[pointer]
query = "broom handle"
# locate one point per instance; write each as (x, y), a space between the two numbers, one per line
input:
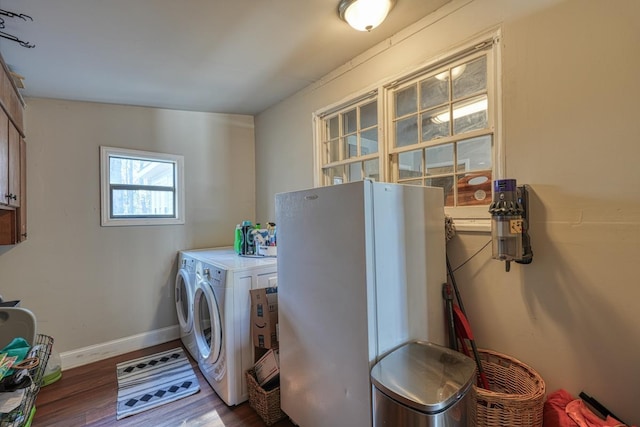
(598, 406)
(483, 378)
(448, 298)
(455, 287)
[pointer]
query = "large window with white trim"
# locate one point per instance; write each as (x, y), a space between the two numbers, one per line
(437, 126)
(141, 187)
(442, 132)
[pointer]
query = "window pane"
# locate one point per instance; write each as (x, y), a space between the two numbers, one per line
(410, 164)
(369, 142)
(355, 172)
(142, 203)
(333, 130)
(334, 175)
(372, 169)
(446, 183)
(349, 122)
(140, 172)
(440, 159)
(369, 115)
(351, 146)
(454, 72)
(470, 115)
(333, 153)
(406, 101)
(413, 182)
(435, 124)
(475, 153)
(434, 91)
(474, 189)
(472, 80)
(407, 131)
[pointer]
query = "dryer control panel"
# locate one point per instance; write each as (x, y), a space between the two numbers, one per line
(215, 275)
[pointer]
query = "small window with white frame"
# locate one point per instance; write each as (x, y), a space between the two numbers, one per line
(436, 126)
(141, 187)
(349, 148)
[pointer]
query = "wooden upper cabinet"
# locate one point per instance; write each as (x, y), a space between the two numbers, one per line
(11, 101)
(4, 157)
(9, 163)
(13, 217)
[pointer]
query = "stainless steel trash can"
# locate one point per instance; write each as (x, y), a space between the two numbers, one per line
(422, 384)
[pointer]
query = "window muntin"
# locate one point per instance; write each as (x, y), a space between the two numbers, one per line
(350, 149)
(141, 188)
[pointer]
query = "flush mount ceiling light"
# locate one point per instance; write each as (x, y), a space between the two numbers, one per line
(364, 15)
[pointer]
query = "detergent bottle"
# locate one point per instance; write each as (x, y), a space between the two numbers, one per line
(237, 241)
(247, 238)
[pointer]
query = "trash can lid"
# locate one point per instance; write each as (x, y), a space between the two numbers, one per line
(424, 376)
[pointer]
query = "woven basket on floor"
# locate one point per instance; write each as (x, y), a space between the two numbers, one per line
(516, 398)
(265, 403)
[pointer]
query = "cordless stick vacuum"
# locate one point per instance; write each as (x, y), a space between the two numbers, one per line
(509, 223)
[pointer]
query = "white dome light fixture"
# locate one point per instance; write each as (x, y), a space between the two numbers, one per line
(364, 15)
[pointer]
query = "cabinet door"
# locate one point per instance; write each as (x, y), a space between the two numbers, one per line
(4, 157)
(14, 167)
(12, 102)
(8, 228)
(267, 280)
(22, 211)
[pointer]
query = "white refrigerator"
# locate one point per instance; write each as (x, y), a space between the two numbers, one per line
(360, 272)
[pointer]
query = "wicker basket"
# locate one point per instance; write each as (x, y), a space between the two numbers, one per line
(265, 403)
(516, 398)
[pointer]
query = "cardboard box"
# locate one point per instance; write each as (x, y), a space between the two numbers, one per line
(267, 369)
(264, 317)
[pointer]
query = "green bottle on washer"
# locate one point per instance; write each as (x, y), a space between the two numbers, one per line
(237, 242)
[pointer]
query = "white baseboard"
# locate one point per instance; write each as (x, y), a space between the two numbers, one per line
(94, 353)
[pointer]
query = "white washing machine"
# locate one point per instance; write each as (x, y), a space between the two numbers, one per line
(222, 308)
(184, 293)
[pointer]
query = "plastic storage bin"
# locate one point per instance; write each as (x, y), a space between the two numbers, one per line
(16, 322)
(423, 385)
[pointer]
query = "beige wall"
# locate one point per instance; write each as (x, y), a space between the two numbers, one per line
(570, 94)
(89, 284)
(570, 86)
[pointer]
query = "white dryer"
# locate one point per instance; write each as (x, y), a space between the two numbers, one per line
(222, 308)
(184, 292)
(211, 327)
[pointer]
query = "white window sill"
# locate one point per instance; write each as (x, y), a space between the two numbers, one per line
(472, 225)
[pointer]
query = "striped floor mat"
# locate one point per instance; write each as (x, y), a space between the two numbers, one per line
(151, 381)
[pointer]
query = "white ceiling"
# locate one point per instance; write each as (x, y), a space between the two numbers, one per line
(231, 56)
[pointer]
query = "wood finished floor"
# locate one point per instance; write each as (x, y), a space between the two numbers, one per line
(86, 396)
